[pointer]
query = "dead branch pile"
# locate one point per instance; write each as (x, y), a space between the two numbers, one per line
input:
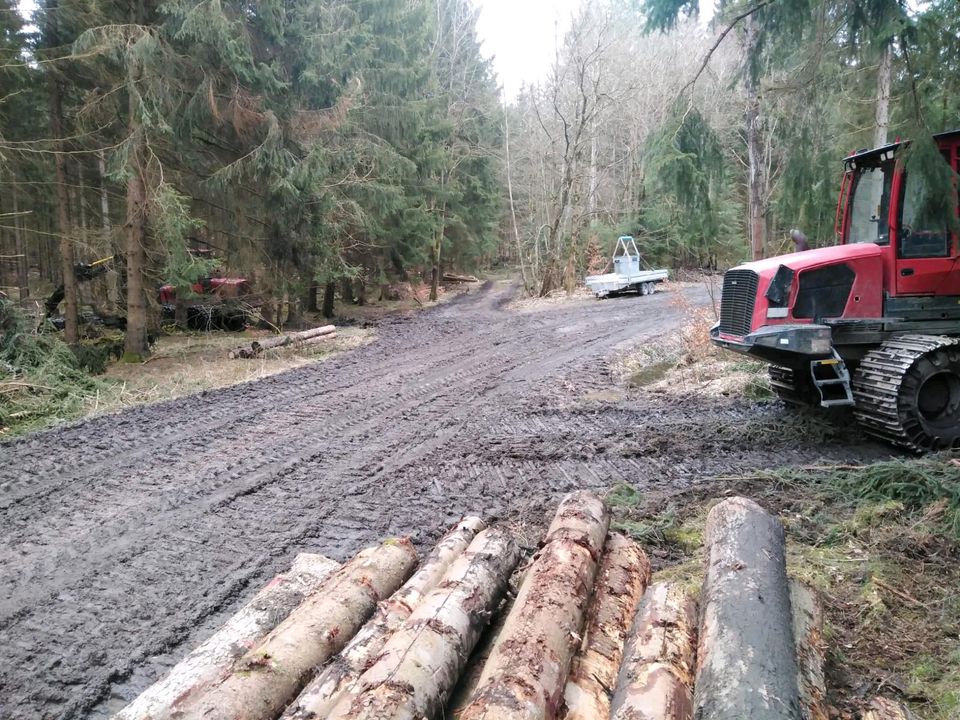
(583, 639)
(312, 336)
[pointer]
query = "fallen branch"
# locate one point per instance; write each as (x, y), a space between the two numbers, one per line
(656, 678)
(621, 579)
(527, 670)
(418, 668)
(215, 656)
(320, 696)
(268, 677)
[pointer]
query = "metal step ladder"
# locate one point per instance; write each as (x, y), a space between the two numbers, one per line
(832, 380)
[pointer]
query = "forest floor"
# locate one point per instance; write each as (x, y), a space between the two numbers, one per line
(130, 536)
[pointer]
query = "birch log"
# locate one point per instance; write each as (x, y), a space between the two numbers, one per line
(418, 668)
(527, 669)
(881, 708)
(215, 656)
(269, 676)
(656, 678)
(807, 614)
(319, 697)
(621, 579)
(746, 661)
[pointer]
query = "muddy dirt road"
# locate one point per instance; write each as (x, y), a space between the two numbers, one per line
(126, 539)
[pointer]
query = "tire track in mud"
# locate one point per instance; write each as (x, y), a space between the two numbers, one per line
(134, 536)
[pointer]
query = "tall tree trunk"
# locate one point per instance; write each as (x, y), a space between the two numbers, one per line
(884, 74)
(71, 332)
(136, 346)
(329, 296)
(755, 201)
(23, 261)
(112, 278)
(513, 209)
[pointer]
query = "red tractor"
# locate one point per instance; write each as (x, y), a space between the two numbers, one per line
(873, 322)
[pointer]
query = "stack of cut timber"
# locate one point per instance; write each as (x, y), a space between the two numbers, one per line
(299, 339)
(585, 637)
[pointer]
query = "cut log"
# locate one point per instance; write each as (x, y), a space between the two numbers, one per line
(268, 677)
(881, 708)
(319, 339)
(746, 661)
(621, 579)
(454, 277)
(656, 678)
(419, 666)
(215, 656)
(527, 669)
(807, 614)
(258, 346)
(319, 697)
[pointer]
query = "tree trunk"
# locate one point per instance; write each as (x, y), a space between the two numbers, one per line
(257, 346)
(346, 290)
(435, 269)
(747, 658)
(23, 260)
(621, 579)
(254, 620)
(755, 183)
(268, 677)
(884, 76)
(656, 678)
(527, 669)
(136, 346)
(329, 293)
(807, 613)
(312, 298)
(112, 277)
(321, 695)
(418, 668)
(71, 333)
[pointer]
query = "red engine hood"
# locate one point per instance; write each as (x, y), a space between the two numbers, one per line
(813, 258)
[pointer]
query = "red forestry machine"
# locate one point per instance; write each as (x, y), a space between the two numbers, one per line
(873, 322)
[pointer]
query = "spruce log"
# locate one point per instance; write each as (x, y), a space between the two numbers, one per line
(807, 614)
(216, 655)
(621, 579)
(418, 668)
(881, 708)
(318, 339)
(257, 346)
(319, 697)
(746, 661)
(656, 678)
(454, 277)
(268, 677)
(527, 669)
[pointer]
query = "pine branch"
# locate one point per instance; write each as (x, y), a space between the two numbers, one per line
(726, 31)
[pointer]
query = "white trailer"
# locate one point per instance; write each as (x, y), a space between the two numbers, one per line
(627, 274)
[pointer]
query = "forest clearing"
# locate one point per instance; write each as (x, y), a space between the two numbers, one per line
(555, 360)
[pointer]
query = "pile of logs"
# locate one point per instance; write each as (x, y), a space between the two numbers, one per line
(314, 336)
(586, 637)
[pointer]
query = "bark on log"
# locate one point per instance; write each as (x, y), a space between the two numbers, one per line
(621, 579)
(419, 666)
(746, 662)
(881, 708)
(319, 697)
(807, 614)
(258, 346)
(527, 670)
(319, 339)
(656, 678)
(269, 676)
(216, 655)
(454, 277)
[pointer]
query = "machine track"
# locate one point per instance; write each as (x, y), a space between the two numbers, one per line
(886, 387)
(792, 389)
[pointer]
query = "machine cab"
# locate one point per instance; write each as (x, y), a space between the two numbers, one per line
(880, 202)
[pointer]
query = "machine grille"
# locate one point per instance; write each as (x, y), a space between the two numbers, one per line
(736, 303)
